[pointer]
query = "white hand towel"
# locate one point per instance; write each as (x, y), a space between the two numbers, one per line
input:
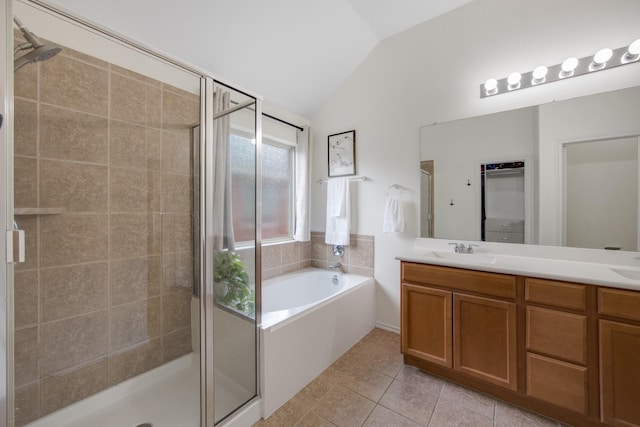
(338, 212)
(393, 215)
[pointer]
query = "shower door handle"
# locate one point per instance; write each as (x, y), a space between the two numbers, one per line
(15, 246)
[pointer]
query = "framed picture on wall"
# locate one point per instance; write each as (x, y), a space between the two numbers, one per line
(342, 153)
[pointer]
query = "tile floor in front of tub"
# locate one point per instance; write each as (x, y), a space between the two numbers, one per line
(370, 386)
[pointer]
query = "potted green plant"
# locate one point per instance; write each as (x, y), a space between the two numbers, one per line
(231, 283)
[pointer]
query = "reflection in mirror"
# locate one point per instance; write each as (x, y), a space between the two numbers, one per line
(552, 182)
(592, 169)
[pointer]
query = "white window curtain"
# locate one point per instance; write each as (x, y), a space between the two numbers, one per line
(302, 232)
(222, 209)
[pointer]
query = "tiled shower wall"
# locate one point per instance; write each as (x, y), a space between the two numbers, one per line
(104, 294)
(288, 257)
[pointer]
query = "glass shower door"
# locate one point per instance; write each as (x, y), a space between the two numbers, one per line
(231, 155)
(103, 187)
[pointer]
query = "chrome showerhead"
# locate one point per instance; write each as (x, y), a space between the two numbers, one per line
(40, 52)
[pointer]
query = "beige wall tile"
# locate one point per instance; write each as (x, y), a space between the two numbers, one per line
(76, 187)
(270, 273)
(177, 233)
(131, 191)
(26, 298)
(176, 151)
(25, 184)
(176, 344)
(178, 111)
(69, 135)
(135, 322)
(132, 74)
(368, 272)
(178, 271)
(135, 361)
(135, 235)
(176, 193)
(176, 311)
(26, 82)
(290, 253)
(195, 97)
(135, 279)
(318, 248)
(134, 101)
(27, 404)
(72, 239)
(134, 146)
(361, 253)
(71, 53)
(25, 127)
(305, 251)
(66, 82)
(73, 341)
(271, 256)
(26, 356)
(63, 390)
(74, 290)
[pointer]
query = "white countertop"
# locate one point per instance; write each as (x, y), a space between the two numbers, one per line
(617, 269)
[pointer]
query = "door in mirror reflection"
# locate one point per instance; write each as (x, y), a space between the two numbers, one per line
(601, 194)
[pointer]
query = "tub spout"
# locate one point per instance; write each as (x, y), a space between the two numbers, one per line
(335, 266)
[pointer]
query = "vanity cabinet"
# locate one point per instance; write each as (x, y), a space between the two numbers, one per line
(567, 350)
(461, 319)
(619, 325)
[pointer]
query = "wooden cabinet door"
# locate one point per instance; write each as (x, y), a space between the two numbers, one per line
(620, 373)
(426, 324)
(484, 339)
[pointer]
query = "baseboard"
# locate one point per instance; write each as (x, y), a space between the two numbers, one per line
(387, 327)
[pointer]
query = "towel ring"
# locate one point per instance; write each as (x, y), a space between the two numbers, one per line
(396, 188)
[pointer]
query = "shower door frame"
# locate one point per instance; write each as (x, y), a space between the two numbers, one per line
(208, 81)
(6, 213)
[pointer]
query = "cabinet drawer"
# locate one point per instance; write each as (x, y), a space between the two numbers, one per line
(504, 237)
(556, 382)
(557, 333)
(619, 303)
(508, 225)
(558, 294)
(500, 285)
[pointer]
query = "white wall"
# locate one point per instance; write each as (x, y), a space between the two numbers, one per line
(431, 73)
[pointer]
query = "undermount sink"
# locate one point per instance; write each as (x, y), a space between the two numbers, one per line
(475, 257)
(629, 274)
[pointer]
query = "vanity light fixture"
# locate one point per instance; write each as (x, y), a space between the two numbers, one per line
(568, 67)
(633, 53)
(571, 67)
(539, 75)
(600, 59)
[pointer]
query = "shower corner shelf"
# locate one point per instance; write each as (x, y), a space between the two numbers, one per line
(37, 211)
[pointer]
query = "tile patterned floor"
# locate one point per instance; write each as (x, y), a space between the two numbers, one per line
(369, 386)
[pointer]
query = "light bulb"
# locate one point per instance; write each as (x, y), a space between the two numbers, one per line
(491, 86)
(568, 66)
(539, 73)
(633, 53)
(514, 80)
(600, 59)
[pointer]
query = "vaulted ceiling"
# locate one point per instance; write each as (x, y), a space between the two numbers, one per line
(294, 53)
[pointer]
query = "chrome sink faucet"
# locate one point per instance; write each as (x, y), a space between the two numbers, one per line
(460, 248)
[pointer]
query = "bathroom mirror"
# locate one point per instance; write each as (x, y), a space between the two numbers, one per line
(454, 153)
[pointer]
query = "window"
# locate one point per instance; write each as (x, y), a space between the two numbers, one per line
(277, 188)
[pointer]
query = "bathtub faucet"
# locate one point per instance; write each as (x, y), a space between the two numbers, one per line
(335, 266)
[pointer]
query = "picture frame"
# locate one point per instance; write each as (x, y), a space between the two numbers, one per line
(342, 154)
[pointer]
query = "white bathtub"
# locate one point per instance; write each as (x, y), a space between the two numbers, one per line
(307, 323)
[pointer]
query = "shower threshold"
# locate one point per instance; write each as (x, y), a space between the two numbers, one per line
(167, 396)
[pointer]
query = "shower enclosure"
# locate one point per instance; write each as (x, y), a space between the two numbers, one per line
(127, 308)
